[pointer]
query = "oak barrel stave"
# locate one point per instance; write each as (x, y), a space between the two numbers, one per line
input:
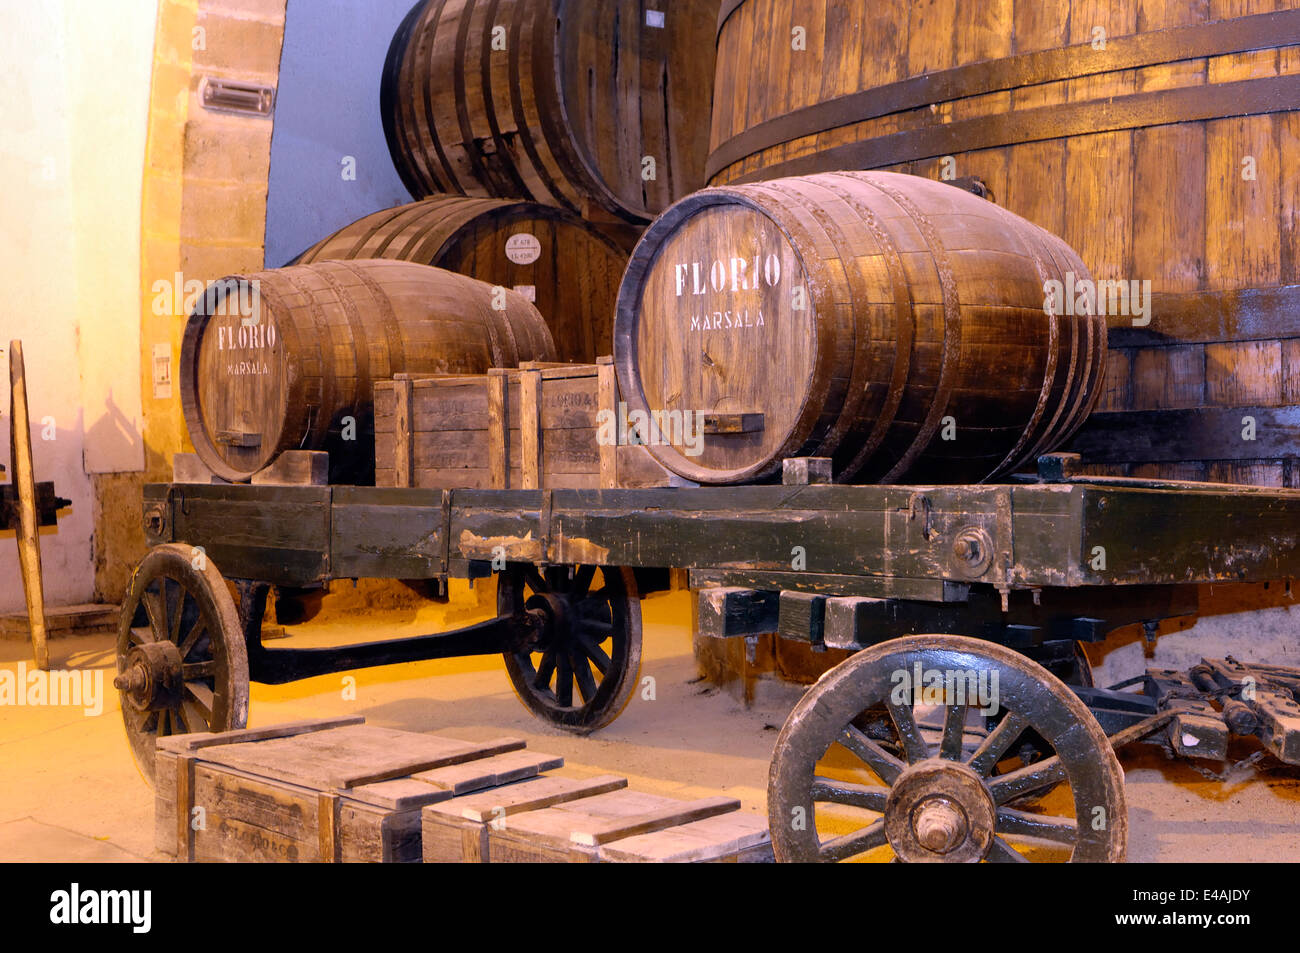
(558, 101)
(925, 312)
(1129, 146)
(277, 360)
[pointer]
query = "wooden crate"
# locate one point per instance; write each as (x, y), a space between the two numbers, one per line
(331, 790)
(597, 820)
(531, 427)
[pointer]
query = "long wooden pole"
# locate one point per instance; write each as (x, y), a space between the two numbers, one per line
(29, 540)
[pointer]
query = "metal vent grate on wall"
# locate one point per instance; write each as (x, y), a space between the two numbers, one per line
(232, 96)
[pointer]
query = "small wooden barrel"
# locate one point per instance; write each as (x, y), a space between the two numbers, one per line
(566, 102)
(896, 325)
(568, 269)
(280, 360)
(1157, 137)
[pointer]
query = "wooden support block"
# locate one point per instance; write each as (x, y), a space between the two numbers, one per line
(296, 468)
(804, 471)
(726, 612)
(456, 831)
(846, 616)
(801, 616)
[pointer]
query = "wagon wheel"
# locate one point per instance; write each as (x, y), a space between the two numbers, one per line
(931, 793)
(581, 669)
(181, 661)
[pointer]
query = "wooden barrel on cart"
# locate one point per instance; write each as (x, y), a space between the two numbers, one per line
(286, 359)
(563, 265)
(1159, 139)
(897, 325)
(565, 102)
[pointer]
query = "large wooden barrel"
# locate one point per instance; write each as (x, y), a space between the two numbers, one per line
(276, 360)
(565, 102)
(896, 325)
(1159, 138)
(568, 269)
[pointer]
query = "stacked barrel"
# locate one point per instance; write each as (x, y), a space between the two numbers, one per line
(1159, 139)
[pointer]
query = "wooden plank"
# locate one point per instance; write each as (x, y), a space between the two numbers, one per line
(733, 837)
(403, 429)
(498, 431)
(197, 740)
(456, 830)
(607, 401)
(28, 535)
(489, 772)
(596, 834)
(530, 428)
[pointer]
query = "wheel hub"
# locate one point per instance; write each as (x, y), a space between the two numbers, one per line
(940, 811)
(151, 679)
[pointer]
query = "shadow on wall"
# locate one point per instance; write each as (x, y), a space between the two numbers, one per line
(329, 159)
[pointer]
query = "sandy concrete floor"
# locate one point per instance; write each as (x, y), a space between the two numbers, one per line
(69, 789)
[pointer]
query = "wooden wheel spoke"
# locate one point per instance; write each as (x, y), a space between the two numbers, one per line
(914, 744)
(954, 726)
(545, 670)
(174, 632)
(190, 671)
(150, 722)
(582, 580)
(849, 794)
(203, 697)
(1060, 830)
(563, 680)
(596, 627)
(195, 718)
(997, 743)
(139, 635)
(884, 764)
(196, 633)
(595, 653)
(582, 674)
(842, 848)
(1000, 852)
(155, 609)
(535, 580)
(1034, 777)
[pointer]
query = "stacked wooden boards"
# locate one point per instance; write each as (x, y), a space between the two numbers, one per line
(594, 107)
(566, 267)
(1156, 138)
(338, 790)
(544, 425)
(287, 359)
(899, 326)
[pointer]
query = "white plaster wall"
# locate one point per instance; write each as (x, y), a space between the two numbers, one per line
(74, 96)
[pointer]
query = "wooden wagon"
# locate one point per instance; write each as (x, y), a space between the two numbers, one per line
(973, 582)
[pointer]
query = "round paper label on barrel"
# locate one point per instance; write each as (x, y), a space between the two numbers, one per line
(523, 248)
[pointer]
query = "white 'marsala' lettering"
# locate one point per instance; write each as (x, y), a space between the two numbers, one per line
(734, 274)
(73, 906)
(720, 320)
